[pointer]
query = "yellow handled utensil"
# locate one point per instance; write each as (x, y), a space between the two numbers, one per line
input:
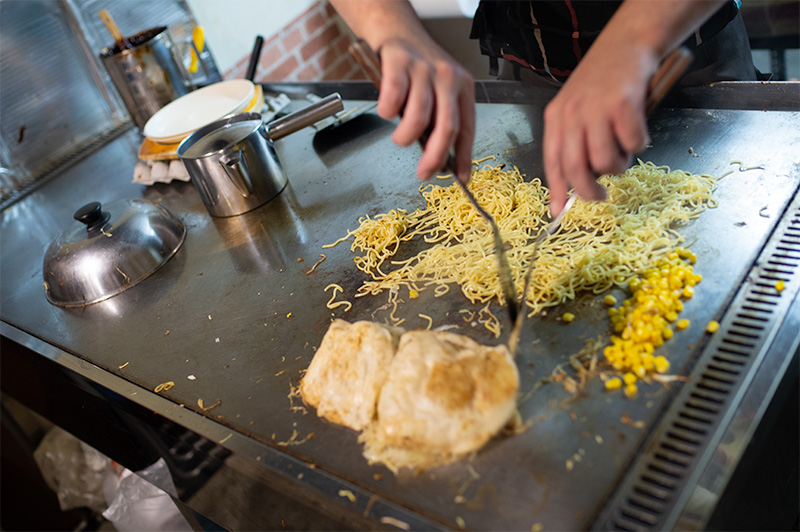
(113, 29)
(198, 38)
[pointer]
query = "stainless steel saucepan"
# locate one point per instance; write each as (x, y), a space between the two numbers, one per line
(232, 162)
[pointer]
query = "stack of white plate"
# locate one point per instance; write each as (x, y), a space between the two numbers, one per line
(178, 119)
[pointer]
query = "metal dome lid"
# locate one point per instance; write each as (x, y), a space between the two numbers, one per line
(109, 249)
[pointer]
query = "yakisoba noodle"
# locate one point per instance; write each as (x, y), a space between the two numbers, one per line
(337, 304)
(599, 245)
(378, 238)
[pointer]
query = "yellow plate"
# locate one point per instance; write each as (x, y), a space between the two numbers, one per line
(257, 103)
(153, 151)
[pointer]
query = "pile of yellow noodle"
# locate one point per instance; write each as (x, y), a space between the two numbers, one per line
(599, 245)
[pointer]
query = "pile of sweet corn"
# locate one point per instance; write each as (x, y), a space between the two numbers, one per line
(644, 321)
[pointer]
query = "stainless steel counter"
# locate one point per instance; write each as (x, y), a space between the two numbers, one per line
(234, 318)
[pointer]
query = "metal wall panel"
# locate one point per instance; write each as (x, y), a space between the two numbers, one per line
(50, 102)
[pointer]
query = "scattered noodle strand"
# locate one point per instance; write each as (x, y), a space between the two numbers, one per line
(331, 304)
(489, 321)
(314, 267)
(430, 320)
(334, 244)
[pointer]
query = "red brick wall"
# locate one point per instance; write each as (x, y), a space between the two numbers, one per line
(312, 47)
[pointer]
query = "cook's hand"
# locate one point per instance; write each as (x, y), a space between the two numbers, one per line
(425, 85)
(596, 122)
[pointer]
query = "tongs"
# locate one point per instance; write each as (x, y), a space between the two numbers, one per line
(370, 62)
(662, 81)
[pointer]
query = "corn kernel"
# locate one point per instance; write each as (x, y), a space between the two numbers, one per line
(413, 294)
(568, 317)
(613, 383)
(712, 327)
(641, 323)
(610, 300)
(780, 286)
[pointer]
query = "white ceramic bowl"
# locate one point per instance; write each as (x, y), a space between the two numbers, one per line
(180, 117)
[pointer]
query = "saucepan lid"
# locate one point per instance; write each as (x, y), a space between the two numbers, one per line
(108, 249)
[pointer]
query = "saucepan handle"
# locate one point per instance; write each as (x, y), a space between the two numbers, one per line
(307, 116)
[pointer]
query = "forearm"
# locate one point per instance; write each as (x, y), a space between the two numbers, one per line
(597, 120)
(419, 80)
(378, 21)
(654, 27)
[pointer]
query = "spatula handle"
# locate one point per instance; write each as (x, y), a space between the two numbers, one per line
(670, 70)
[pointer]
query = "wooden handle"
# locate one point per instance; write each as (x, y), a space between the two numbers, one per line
(368, 59)
(671, 69)
(112, 28)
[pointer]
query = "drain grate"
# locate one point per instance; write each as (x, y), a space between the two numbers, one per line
(648, 495)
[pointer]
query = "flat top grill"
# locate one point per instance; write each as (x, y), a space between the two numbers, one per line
(235, 309)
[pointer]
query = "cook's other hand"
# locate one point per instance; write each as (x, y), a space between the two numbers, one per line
(596, 123)
(419, 80)
(597, 120)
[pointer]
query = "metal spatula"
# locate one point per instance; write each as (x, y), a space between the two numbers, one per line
(513, 339)
(370, 62)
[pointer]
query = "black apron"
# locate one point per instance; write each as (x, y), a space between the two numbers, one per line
(550, 37)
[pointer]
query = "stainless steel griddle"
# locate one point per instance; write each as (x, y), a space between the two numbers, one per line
(236, 310)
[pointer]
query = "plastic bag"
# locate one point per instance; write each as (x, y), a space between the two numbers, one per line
(83, 477)
(136, 504)
(72, 469)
